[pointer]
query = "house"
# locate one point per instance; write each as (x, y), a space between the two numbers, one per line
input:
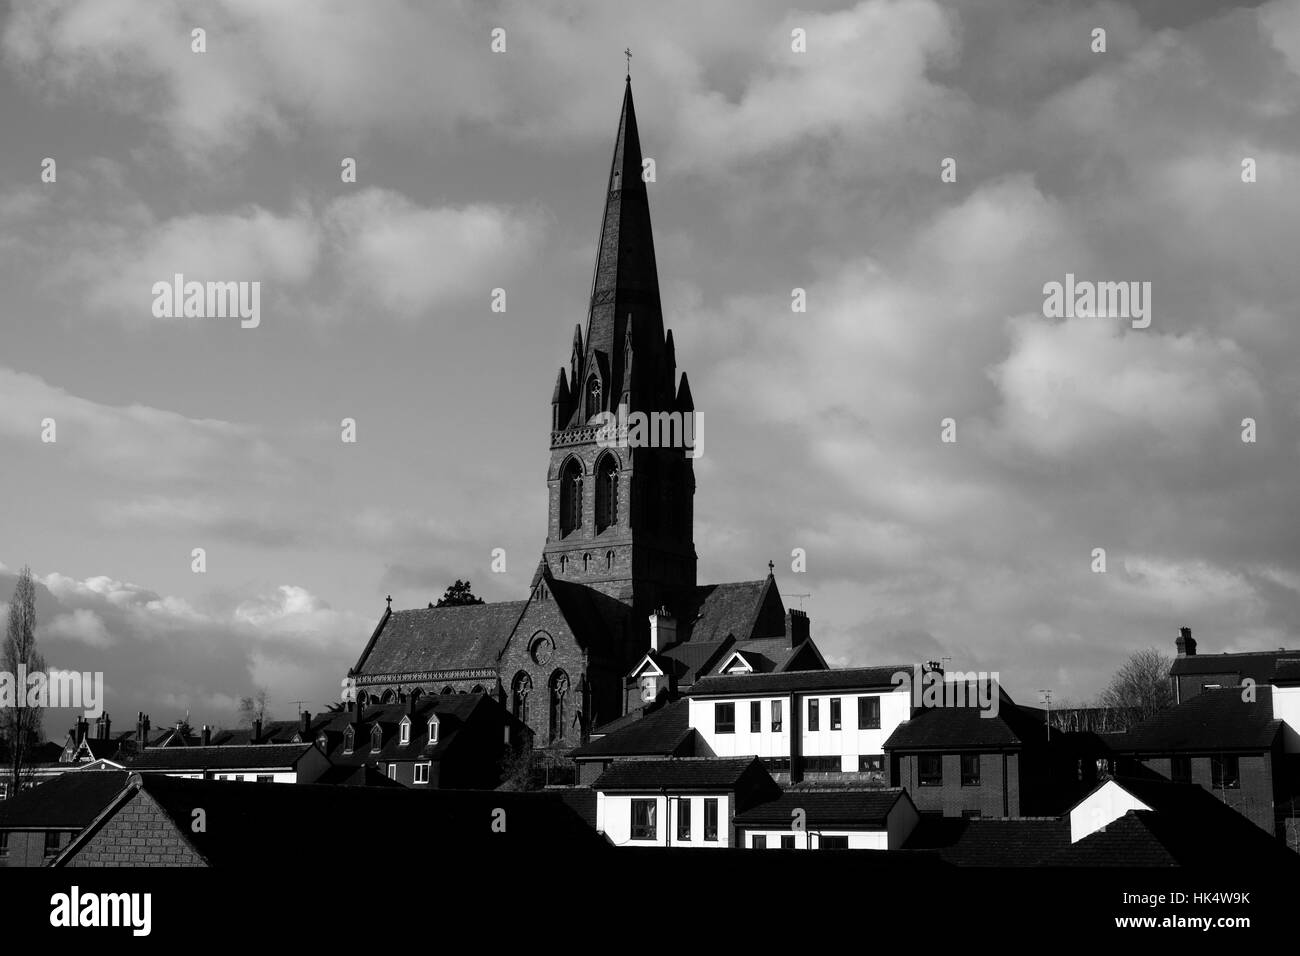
(1192, 673)
(1228, 741)
(810, 725)
(1145, 822)
(991, 841)
(824, 819)
(260, 763)
(451, 741)
(82, 747)
(683, 802)
(663, 731)
(38, 823)
(162, 821)
(972, 762)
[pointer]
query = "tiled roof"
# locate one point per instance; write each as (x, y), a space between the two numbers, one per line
(1260, 666)
(956, 728)
(731, 609)
(1212, 720)
(66, 802)
(688, 661)
(454, 712)
(441, 638)
(662, 732)
(823, 808)
(845, 678)
(684, 773)
(992, 842)
(252, 757)
(295, 822)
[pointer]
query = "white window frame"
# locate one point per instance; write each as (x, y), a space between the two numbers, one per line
(404, 731)
(422, 772)
(392, 771)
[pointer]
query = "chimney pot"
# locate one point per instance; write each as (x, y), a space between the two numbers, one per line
(1186, 644)
(206, 738)
(257, 731)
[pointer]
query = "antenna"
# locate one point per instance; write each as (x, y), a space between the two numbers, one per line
(1047, 699)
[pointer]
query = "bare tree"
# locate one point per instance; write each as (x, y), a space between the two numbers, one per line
(20, 725)
(254, 708)
(1141, 685)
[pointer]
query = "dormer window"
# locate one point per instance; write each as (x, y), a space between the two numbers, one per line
(376, 738)
(349, 739)
(404, 730)
(433, 730)
(323, 743)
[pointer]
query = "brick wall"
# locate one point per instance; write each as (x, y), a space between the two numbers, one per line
(27, 848)
(996, 795)
(138, 834)
(1253, 799)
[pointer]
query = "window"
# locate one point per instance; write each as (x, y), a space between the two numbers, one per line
(776, 764)
(323, 742)
(724, 718)
(755, 717)
(593, 397)
(392, 771)
(683, 818)
(814, 714)
(871, 763)
(266, 778)
(405, 730)
(51, 842)
(643, 820)
(759, 841)
(787, 841)
(349, 738)
(606, 493)
(571, 497)
(520, 688)
(776, 716)
(835, 713)
(930, 770)
(833, 842)
(868, 713)
(559, 693)
(970, 770)
(376, 738)
(711, 818)
(830, 764)
(1224, 773)
(1180, 769)
(433, 730)
(422, 772)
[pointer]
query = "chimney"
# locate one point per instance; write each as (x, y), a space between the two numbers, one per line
(355, 707)
(206, 737)
(142, 729)
(103, 726)
(796, 627)
(663, 629)
(257, 731)
(1186, 644)
(306, 722)
(83, 729)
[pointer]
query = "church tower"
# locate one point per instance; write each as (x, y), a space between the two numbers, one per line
(621, 512)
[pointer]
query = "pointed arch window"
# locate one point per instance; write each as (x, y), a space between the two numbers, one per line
(520, 688)
(559, 692)
(571, 497)
(376, 738)
(349, 739)
(606, 493)
(593, 398)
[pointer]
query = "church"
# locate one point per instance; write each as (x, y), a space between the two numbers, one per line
(615, 619)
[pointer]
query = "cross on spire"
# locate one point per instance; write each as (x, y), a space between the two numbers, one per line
(627, 52)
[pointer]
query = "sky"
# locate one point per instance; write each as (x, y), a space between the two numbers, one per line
(776, 169)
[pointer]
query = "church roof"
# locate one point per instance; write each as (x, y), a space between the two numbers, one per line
(743, 610)
(440, 638)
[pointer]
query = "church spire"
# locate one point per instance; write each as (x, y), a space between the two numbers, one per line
(625, 281)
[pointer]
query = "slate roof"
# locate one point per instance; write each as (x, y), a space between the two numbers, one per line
(440, 638)
(847, 679)
(683, 773)
(965, 728)
(823, 808)
(66, 802)
(1212, 720)
(991, 842)
(1263, 667)
(1143, 838)
(252, 757)
(733, 609)
(664, 732)
(688, 661)
(292, 823)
